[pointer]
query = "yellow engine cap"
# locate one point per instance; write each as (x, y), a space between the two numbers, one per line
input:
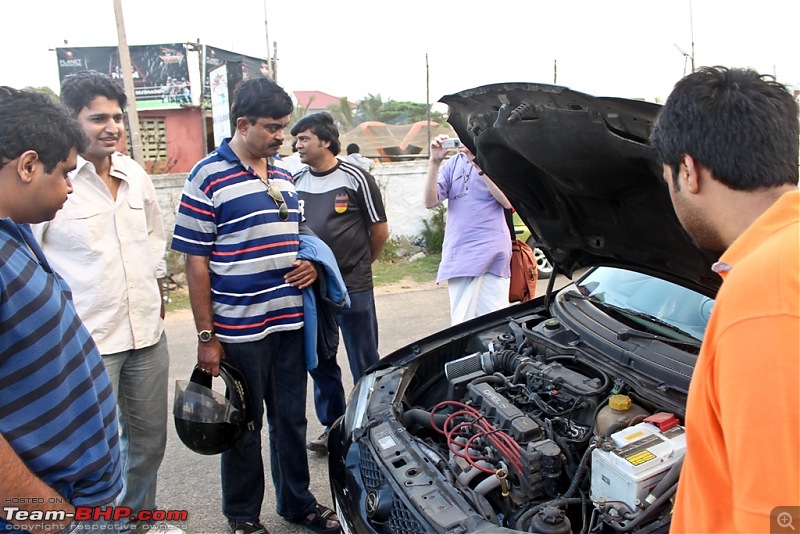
(620, 402)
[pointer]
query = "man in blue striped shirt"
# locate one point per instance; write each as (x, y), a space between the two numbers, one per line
(59, 446)
(238, 223)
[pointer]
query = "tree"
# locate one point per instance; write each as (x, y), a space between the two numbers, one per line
(45, 90)
(342, 114)
(394, 112)
(369, 108)
(373, 108)
(298, 112)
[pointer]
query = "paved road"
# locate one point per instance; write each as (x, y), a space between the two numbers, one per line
(190, 481)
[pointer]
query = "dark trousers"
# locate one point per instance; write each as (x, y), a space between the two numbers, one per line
(359, 326)
(275, 371)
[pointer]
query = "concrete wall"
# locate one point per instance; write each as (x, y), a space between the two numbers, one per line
(400, 183)
(169, 188)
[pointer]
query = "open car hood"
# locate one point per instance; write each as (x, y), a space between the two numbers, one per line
(581, 174)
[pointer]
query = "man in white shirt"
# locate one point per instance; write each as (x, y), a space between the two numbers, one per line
(293, 162)
(354, 157)
(108, 243)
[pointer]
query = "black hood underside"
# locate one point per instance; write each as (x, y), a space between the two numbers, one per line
(581, 174)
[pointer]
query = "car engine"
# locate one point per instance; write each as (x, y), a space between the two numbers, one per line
(542, 440)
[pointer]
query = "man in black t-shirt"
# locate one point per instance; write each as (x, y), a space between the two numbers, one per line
(343, 206)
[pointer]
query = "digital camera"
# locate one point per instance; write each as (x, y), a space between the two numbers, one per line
(451, 143)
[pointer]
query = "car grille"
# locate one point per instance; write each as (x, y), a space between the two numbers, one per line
(401, 520)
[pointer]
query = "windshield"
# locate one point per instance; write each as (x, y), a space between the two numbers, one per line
(660, 306)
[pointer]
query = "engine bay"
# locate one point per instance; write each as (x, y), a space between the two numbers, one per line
(538, 434)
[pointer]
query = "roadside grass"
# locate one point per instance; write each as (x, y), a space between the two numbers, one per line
(178, 300)
(384, 272)
(390, 272)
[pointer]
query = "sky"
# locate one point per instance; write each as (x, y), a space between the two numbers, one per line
(420, 50)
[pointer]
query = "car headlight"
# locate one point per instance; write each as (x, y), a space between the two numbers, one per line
(356, 411)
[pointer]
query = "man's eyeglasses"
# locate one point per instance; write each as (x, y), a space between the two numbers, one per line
(277, 196)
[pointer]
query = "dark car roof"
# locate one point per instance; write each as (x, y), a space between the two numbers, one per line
(581, 174)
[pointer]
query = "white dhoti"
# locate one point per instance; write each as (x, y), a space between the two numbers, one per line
(471, 296)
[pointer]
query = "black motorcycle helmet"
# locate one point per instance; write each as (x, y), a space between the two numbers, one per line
(208, 422)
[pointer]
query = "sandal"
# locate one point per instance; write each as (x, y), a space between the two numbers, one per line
(247, 527)
(318, 520)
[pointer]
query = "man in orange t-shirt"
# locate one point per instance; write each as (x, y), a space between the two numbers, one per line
(728, 141)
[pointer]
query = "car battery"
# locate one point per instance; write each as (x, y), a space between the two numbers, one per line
(641, 457)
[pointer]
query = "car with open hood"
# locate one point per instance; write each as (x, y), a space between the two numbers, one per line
(565, 413)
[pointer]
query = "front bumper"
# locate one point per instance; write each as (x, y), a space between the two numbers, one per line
(364, 499)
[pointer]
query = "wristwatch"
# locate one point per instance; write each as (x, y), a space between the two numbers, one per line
(205, 335)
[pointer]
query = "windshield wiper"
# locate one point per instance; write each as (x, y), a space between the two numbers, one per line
(624, 334)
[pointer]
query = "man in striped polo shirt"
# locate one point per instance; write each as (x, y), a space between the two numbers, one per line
(59, 446)
(238, 223)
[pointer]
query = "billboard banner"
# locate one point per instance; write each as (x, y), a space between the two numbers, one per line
(160, 72)
(220, 103)
(251, 67)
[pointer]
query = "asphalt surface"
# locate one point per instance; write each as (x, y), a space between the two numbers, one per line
(190, 481)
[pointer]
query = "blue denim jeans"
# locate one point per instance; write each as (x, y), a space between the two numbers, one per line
(139, 378)
(275, 371)
(359, 325)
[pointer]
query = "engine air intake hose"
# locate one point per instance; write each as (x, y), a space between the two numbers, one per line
(488, 362)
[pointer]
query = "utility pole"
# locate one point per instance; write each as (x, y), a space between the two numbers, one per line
(127, 78)
(270, 70)
(274, 61)
(428, 99)
(691, 29)
(687, 57)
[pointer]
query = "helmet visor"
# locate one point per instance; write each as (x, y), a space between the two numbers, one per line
(194, 402)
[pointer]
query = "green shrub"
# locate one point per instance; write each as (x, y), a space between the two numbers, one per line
(389, 252)
(433, 234)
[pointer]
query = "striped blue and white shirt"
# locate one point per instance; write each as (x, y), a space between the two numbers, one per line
(226, 214)
(57, 406)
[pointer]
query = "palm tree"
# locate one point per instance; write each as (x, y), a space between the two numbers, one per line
(298, 112)
(342, 115)
(369, 109)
